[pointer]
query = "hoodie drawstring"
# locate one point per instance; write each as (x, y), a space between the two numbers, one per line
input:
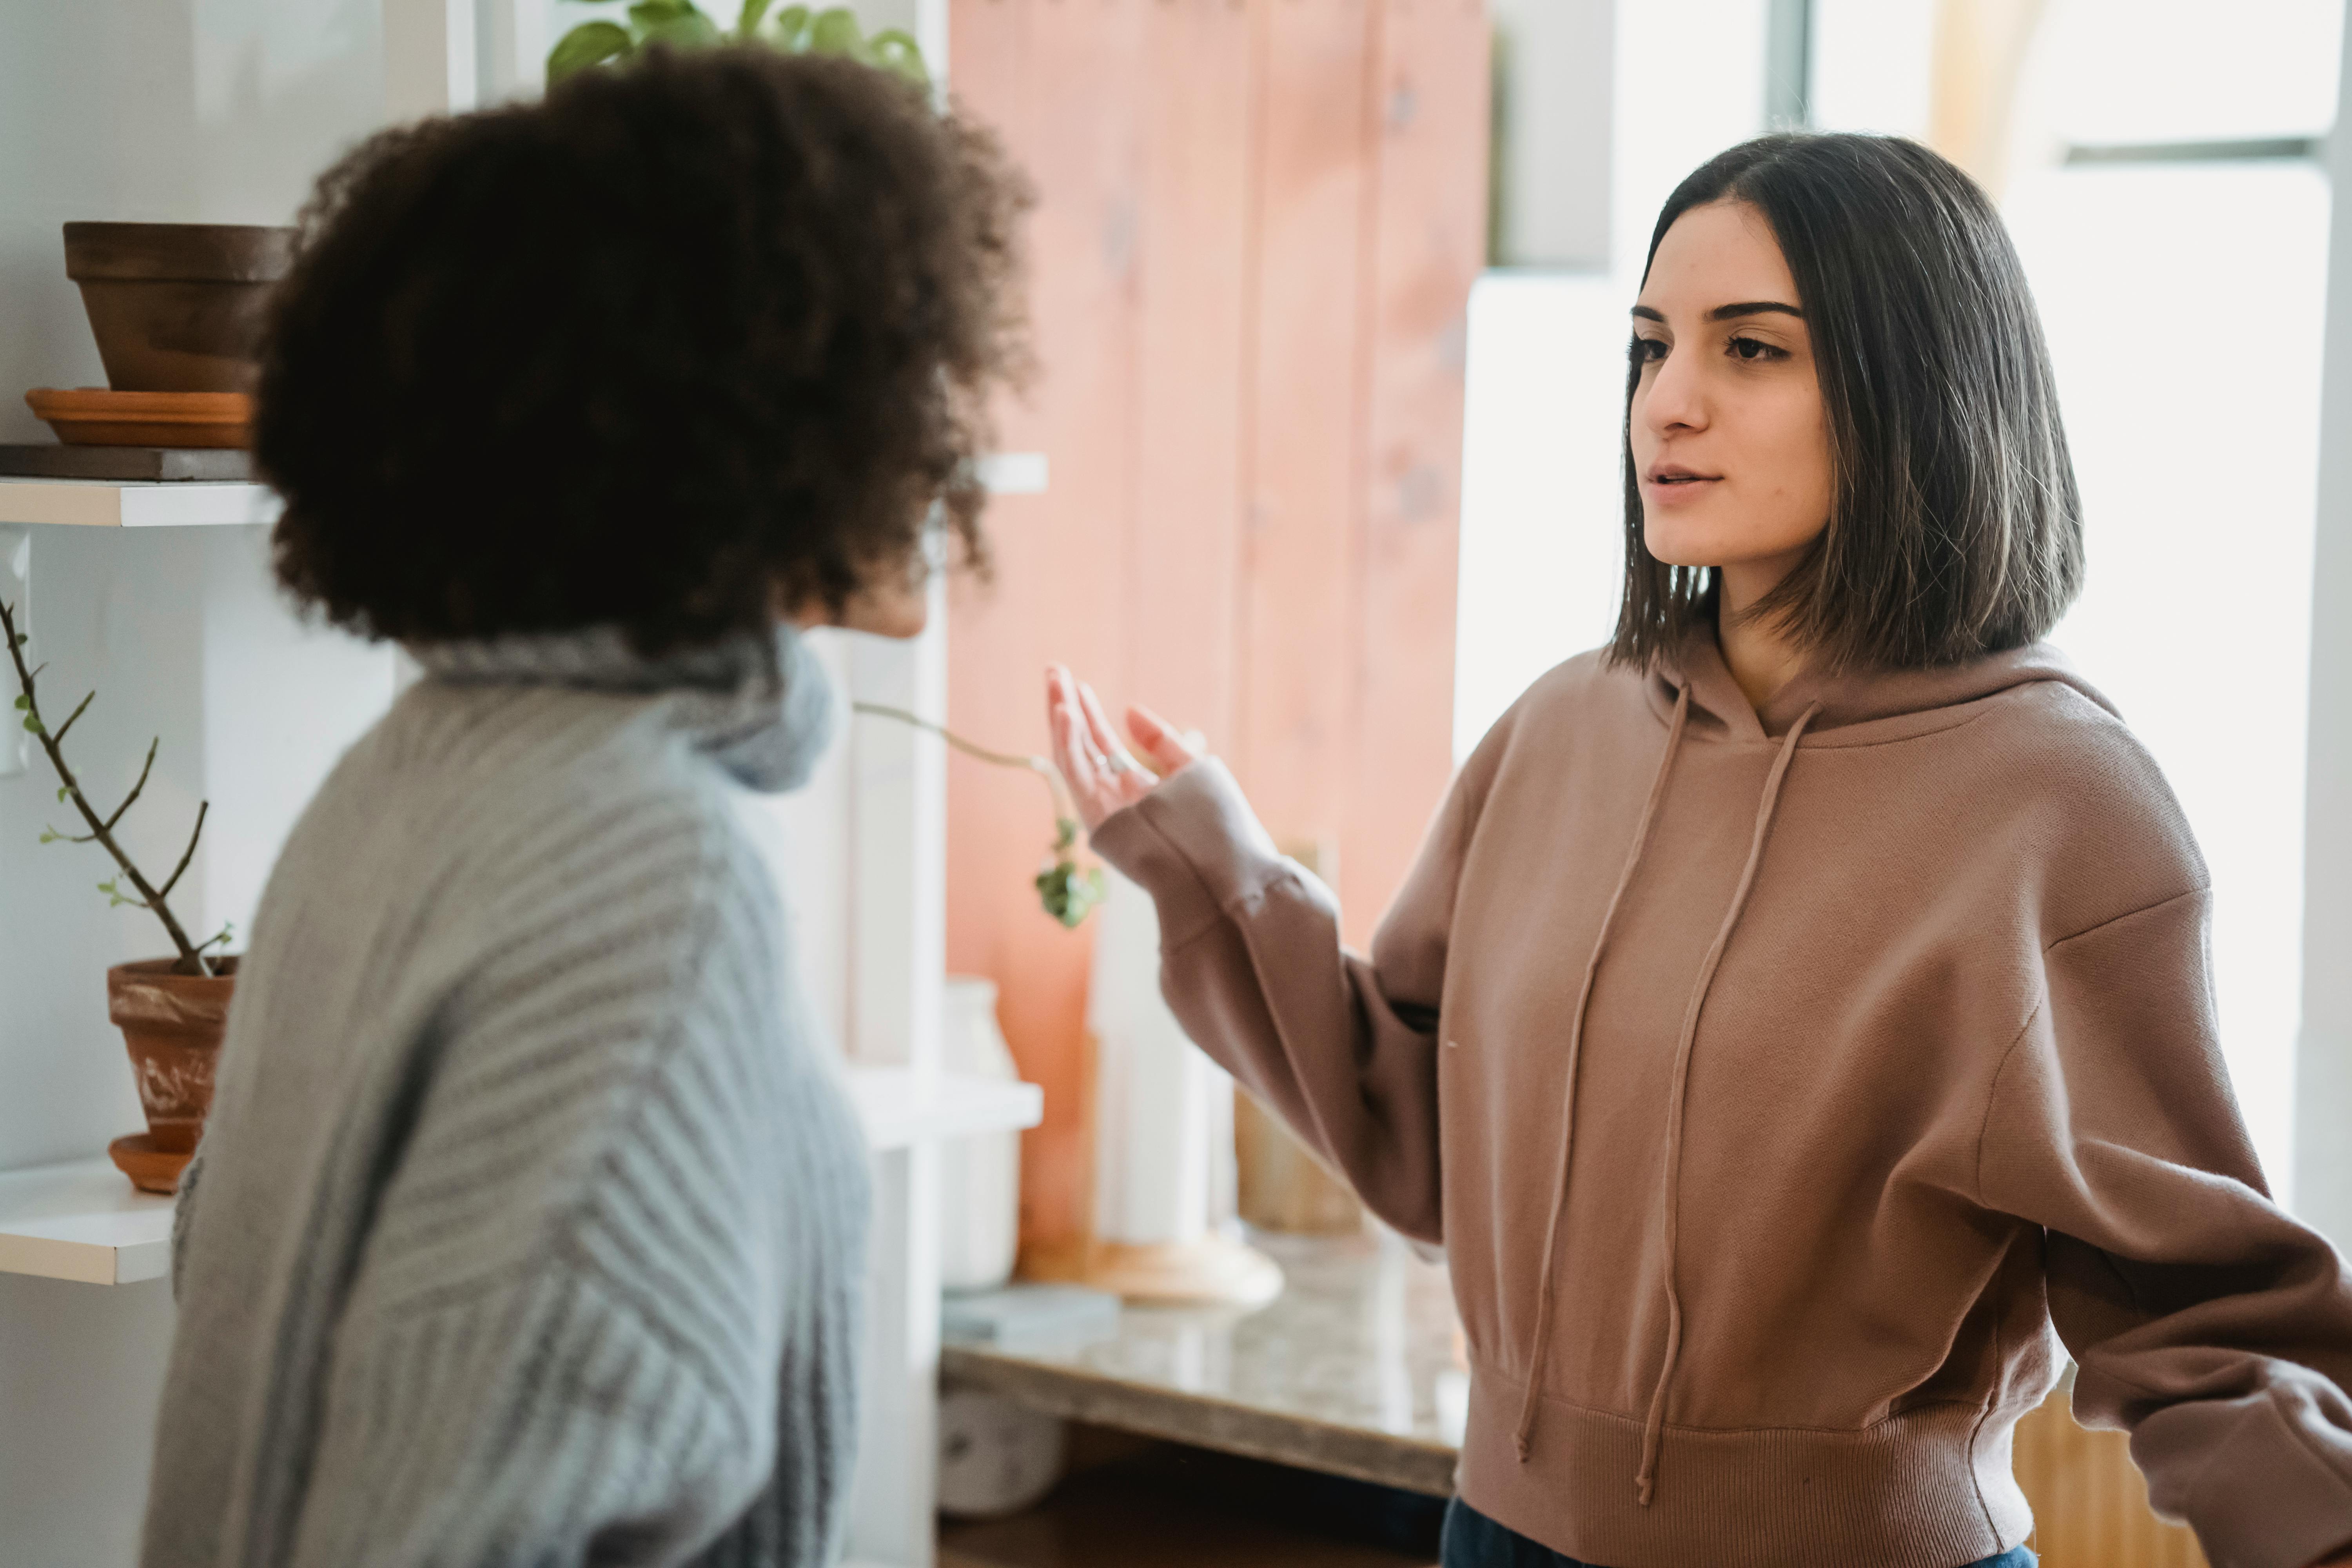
(1539, 1355)
(1653, 1429)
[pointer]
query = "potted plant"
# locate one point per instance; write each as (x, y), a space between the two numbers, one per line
(171, 1011)
(682, 25)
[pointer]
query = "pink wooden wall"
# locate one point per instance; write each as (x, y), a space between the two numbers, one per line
(1257, 227)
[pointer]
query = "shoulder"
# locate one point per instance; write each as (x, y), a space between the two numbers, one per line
(1584, 712)
(1569, 696)
(2090, 801)
(543, 846)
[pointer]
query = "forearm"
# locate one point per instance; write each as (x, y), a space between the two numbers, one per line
(1253, 966)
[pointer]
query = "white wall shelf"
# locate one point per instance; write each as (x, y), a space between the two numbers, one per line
(193, 503)
(83, 1221)
(106, 503)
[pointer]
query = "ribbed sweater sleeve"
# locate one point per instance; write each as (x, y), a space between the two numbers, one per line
(600, 1316)
(2203, 1319)
(1342, 1046)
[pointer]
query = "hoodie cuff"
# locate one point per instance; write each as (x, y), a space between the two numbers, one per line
(1194, 844)
(2261, 1479)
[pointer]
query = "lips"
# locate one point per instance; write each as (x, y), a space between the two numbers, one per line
(1676, 474)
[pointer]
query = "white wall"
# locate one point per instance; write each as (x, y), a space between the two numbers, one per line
(2323, 1067)
(179, 111)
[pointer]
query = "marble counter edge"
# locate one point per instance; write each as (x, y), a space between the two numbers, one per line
(1205, 1421)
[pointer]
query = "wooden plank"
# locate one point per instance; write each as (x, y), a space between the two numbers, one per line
(1292, 745)
(1425, 238)
(1256, 227)
(1059, 82)
(1193, 243)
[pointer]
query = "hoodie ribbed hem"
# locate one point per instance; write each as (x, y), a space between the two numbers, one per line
(1902, 1494)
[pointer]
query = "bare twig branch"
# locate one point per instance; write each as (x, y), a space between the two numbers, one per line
(71, 717)
(191, 957)
(145, 768)
(165, 891)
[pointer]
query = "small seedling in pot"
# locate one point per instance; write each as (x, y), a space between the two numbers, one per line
(128, 886)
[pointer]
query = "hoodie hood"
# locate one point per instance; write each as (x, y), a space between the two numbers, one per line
(1892, 703)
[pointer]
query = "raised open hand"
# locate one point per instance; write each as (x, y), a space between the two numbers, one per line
(1102, 774)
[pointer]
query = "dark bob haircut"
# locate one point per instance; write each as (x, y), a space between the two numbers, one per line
(1955, 529)
(682, 343)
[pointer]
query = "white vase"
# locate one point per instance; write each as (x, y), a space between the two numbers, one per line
(1164, 1132)
(980, 1176)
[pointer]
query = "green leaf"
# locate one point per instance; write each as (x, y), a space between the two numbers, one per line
(680, 23)
(789, 32)
(695, 32)
(896, 52)
(834, 32)
(589, 44)
(747, 26)
(1069, 893)
(24, 703)
(50, 835)
(33, 724)
(62, 791)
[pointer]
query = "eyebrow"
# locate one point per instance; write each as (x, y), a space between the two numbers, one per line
(1731, 312)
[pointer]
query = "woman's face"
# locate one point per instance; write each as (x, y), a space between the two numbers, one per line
(1727, 436)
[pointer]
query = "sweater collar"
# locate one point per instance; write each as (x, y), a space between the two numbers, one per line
(761, 708)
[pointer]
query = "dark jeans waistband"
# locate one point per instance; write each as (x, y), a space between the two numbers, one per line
(1473, 1540)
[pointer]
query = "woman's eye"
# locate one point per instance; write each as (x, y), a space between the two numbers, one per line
(1646, 350)
(1756, 348)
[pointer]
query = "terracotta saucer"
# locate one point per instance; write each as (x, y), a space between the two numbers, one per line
(95, 416)
(151, 1170)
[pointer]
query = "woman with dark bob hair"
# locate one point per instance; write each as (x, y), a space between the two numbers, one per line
(1797, 1027)
(528, 1225)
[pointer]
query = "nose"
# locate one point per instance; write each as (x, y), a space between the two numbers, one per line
(1676, 399)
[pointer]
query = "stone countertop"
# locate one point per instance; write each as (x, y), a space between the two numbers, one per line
(1355, 1369)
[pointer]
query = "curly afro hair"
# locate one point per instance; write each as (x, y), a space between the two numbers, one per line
(681, 344)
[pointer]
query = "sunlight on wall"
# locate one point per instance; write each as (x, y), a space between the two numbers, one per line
(2183, 305)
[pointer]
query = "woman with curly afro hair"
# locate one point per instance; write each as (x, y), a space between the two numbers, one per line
(527, 1223)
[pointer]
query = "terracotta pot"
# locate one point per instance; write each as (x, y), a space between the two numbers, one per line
(173, 1024)
(177, 307)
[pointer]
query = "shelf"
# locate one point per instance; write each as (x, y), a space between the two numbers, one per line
(896, 1110)
(82, 1220)
(189, 503)
(105, 503)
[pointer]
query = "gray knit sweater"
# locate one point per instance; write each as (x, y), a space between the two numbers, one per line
(529, 1224)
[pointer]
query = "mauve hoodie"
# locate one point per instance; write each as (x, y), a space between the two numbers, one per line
(1775, 1084)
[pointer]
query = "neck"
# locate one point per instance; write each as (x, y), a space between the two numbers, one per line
(1761, 655)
